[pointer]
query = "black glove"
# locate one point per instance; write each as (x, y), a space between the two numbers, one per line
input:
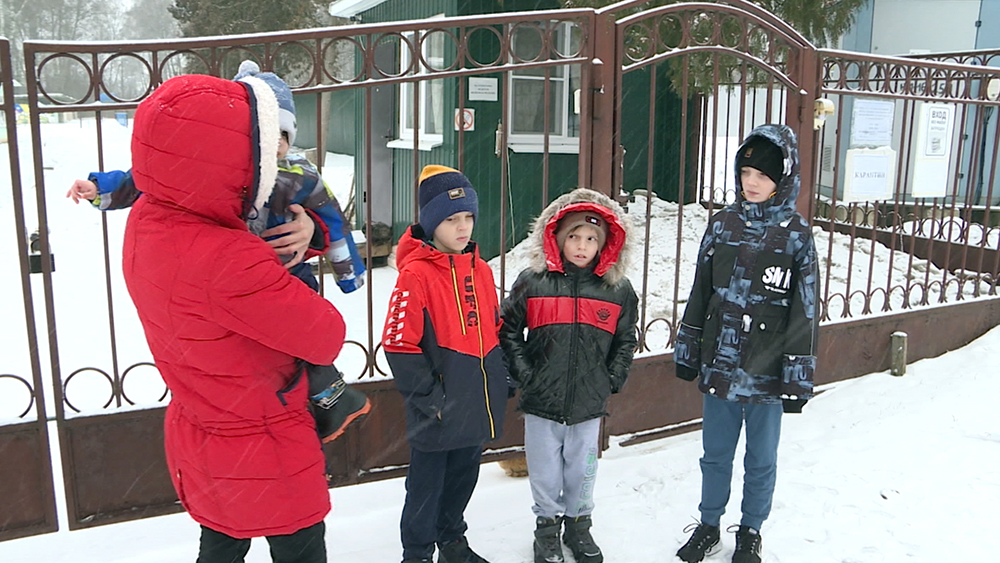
(793, 406)
(511, 391)
(686, 373)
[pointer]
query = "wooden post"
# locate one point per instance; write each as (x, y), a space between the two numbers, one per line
(898, 360)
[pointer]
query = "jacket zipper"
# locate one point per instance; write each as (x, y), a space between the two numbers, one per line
(482, 354)
(572, 350)
(458, 298)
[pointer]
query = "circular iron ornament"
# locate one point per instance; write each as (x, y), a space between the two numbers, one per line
(544, 45)
(130, 56)
(860, 295)
(387, 39)
(885, 304)
(911, 291)
(177, 57)
(638, 44)
(644, 342)
(733, 39)
(303, 76)
(69, 378)
(40, 70)
(670, 33)
(822, 310)
(364, 351)
(831, 304)
(571, 27)
(166, 390)
(992, 86)
(27, 384)
(702, 28)
(502, 44)
(759, 43)
(359, 55)
(424, 37)
(386, 372)
(233, 56)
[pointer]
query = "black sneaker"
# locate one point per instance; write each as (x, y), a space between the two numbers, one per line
(336, 408)
(578, 539)
(704, 541)
(547, 546)
(416, 561)
(747, 545)
(458, 551)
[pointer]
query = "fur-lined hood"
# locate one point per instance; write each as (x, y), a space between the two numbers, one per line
(614, 259)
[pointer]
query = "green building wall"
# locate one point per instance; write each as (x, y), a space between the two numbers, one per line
(524, 186)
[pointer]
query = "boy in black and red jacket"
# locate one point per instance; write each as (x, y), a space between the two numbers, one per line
(580, 311)
(442, 345)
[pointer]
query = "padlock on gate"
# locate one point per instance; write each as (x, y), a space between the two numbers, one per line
(35, 255)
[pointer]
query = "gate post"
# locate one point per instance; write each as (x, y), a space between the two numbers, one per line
(799, 112)
(598, 169)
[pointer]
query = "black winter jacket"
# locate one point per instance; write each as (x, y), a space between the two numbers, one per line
(580, 323)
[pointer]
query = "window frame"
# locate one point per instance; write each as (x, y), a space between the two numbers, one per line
(404, 133)
(560, 141)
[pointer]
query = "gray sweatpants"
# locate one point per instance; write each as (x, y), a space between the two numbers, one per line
(562, 465)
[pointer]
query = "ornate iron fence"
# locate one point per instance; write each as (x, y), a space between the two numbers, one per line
(641, 101)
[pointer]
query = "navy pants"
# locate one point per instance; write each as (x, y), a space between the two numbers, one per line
(720, 431)
(305, 546)
(438, 488)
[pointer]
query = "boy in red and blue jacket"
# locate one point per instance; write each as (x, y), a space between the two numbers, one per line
(441, 341)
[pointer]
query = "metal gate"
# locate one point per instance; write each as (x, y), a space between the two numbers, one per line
(26, 467)
(662, 94)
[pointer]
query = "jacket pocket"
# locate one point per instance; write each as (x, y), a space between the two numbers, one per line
(723, 264)
(764, 350)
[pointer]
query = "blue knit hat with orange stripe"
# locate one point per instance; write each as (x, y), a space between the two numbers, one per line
(443, 192)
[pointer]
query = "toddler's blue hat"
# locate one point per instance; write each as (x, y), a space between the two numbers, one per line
(443, 192)
(286, 104)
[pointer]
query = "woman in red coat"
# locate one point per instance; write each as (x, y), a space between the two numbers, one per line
(226, 322)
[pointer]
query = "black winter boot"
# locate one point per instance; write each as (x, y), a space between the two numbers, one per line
(578, 539)
(458, 551)
(747, 545)
(335, 405)
(547, 546)
(704, 541)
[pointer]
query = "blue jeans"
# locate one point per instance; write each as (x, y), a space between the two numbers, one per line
(722, 421)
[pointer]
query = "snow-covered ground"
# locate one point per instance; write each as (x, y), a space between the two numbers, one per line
(878, 469)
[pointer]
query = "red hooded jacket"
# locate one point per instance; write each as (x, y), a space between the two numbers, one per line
(224, 320)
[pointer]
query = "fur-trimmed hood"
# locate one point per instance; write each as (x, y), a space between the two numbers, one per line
(614, 259)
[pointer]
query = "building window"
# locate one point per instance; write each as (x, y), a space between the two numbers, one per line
(527, 87)
(430, 93)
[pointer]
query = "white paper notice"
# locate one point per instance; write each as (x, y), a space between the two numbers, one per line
(932, 157)
(483, 89)
(870, 175)
(871, 123)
